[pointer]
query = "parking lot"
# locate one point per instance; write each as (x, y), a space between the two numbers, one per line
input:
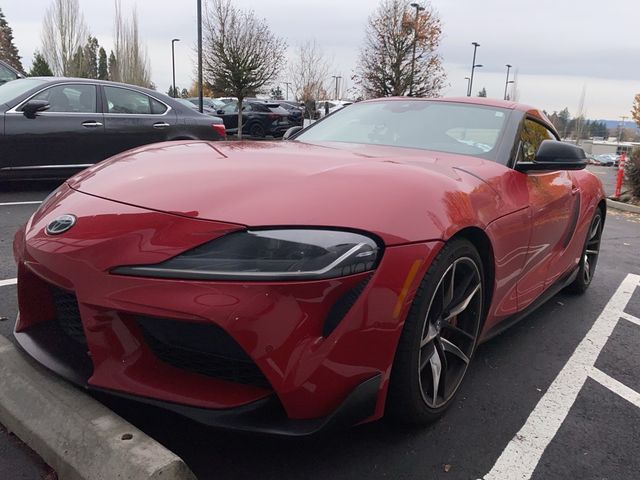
(556, 396)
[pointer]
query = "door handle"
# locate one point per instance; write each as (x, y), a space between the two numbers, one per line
(161, 125)
(91, 124)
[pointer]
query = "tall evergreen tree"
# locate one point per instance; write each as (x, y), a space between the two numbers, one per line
(8, 50)
(103, 67)
(113, 68)
(91, 58)
(40, 67)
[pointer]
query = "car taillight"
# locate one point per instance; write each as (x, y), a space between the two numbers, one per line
(219, 127)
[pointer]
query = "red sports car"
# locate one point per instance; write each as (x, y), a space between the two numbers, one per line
(285, 287)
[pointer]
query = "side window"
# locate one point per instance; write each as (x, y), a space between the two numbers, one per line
(123, 100)
(531, 137)
(70, 98)
(230, 108)
(6, 74)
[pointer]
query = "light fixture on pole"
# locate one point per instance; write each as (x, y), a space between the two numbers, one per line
(507, 82)
(173, 64)
(418, 8)
(473, 67)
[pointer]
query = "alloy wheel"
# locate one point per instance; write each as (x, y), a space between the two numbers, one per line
(592, 249)
(450, 330)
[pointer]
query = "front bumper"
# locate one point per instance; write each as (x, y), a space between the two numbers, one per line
(313, 378)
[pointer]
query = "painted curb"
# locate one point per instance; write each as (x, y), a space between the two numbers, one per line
(625, 207)
(77, 436)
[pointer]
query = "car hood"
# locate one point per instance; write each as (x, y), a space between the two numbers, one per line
(402, 195)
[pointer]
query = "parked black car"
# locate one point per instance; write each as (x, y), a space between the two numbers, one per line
(53, 127)
(8, 73)
(259, 118)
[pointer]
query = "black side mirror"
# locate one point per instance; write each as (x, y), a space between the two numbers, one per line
(220, 112)
(554, 155)
(290, 132)
(32, 107)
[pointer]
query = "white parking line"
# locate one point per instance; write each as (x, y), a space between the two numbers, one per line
(631, 318)
(519, 460)
(614, 385)
(11, 204)
(9, 281)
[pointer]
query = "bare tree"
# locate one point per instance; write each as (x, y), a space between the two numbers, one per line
(241, 55)
(131, 63)
(309, 72)
(385, 63)
(64, 31)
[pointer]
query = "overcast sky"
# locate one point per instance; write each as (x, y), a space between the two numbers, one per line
(557, 46)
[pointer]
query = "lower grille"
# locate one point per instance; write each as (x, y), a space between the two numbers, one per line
(204, 349)
(68, 314)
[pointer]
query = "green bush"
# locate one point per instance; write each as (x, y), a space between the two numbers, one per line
(632, 172)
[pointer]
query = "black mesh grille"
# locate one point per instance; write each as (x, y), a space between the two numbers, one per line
(199, 348)
(68, 314)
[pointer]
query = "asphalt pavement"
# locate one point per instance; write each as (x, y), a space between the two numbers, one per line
(589, 432)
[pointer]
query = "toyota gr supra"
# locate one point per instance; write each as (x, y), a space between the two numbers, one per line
(330, 279)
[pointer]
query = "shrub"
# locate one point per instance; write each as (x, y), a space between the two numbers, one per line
(632, 172)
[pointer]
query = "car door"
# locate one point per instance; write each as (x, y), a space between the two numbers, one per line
(229, 115)
(554, 206)
(133, 118)
(70, 134)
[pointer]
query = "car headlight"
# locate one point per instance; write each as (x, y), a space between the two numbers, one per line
(259, 255)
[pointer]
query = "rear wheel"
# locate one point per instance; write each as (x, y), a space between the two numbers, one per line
(256, 130)
(589, 258)
(439, 336)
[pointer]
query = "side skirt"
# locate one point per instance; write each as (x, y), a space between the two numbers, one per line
(550, 292)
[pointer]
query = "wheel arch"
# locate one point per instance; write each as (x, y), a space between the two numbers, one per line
(481, 241)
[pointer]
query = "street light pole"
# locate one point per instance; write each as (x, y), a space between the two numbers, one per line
(468, 79)
(286, 84)
(200, 99)
(337, 78)
(473, 67)
(507, 82)
(173, 64)
(418, 8)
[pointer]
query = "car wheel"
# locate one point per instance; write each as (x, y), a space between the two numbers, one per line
(589, 258)
(439, 336)
(256, 130)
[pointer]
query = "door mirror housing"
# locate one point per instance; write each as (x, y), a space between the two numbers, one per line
(554, 155)
(32, 107)
(220, 112)
(291, 132)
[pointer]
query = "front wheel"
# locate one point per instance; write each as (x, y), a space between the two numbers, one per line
(439, 336)
(590, 253)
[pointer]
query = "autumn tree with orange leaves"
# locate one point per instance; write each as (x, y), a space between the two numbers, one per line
(385, 64)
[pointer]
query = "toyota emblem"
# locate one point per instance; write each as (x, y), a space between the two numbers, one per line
(60, 224)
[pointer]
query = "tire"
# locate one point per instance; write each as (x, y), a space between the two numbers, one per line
(256, 130)
(425, 349)
(589, 257)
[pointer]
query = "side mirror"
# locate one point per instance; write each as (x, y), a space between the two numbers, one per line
(220, 112)
(32, 107)
(290, 132)
(554, 155)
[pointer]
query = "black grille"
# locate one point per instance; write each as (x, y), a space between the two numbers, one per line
(198, 348)
(68, 314)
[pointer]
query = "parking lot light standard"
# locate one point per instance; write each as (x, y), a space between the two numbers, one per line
(473, 67)
(418, 8)
(507, 82)
(173, 64)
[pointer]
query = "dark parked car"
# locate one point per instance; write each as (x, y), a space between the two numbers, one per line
(54, 127)
(259, 118)
(207, 102)
(8, 73)
(296, 111)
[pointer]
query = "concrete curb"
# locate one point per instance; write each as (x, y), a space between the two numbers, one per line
(625, 207)
(76, 435)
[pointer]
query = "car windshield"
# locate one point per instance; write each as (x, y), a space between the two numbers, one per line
(441, 126)
(15, 88)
